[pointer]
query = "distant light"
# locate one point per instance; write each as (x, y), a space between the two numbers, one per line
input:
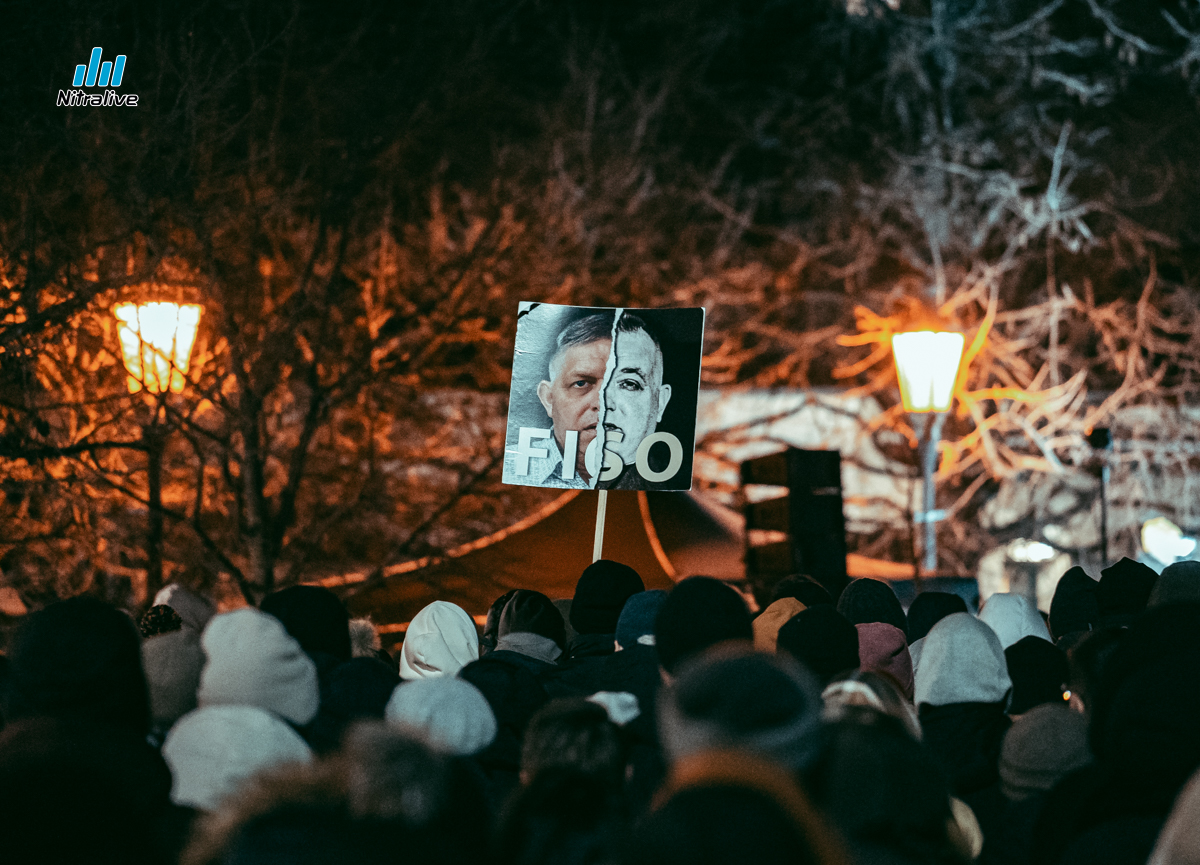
(1165, 541)
(927, 365)
(1066, 696)
(156, 343)
(1024, 550)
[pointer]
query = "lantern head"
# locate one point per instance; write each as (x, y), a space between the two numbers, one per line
(156, 343)
(927, 365)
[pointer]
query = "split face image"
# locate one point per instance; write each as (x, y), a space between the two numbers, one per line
(604, 398)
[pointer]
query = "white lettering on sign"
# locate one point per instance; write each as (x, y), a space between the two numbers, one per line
(643, 456)
(525, 448)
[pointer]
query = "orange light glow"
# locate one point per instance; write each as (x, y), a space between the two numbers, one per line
(927, 364)
(156, 343)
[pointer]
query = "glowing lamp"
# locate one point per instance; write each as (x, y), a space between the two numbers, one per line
(927, 365)
(156, 343)
(1025, 550)
(1165, 541)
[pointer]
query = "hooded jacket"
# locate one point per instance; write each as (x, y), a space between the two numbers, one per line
(1013, 617)
(440, 641)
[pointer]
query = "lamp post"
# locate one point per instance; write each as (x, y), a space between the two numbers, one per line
(156, 347)
(927, 365)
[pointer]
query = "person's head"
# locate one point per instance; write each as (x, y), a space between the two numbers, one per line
(173, 663)
(1042, 746)
(364, 639)
(530, 612)
(867, 600)
(1038, 670)
(803, 588)
(929, 608)
(1124, 591)
(315, 617)
(884, 649)
(575, 735)
(721, 806)
(213, 751)
(515, 695)
(491, 625)
(600, 596)
(869, 689)
(440, 641)
(734, 697)
(1074, 607)
(635, 627)
(769, 621)
(1013, 617)
(962, 662)
(79, 660)
(561, 816)
(698, 613)
(635, 398)
(1177, 583)
(887, 795)
(450, 714)
(822, 640)
(195, 609)
(252, 661)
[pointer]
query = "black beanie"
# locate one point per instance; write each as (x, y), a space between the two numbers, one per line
(699, 612)
(1124, 591)
(533, 613)
(804, 589)
(79, 660)
(823, 640)
(491, 627)
(866, 601)
(1074, 607)
(600, 595)
(1038, 670)
(929, 608)
(315, 617)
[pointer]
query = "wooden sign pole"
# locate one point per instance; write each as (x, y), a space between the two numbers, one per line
(601, 504)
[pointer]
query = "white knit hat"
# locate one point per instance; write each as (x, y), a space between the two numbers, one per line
(252, 661)
(452, 715)
(213, 751)
(440, 641)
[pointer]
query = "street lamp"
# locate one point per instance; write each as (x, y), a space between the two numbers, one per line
(927, 365)
(156, 346)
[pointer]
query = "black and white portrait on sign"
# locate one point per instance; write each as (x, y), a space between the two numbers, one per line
(604, 398)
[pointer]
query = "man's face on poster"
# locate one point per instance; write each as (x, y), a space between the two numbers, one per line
(636, 397)
(572, 396)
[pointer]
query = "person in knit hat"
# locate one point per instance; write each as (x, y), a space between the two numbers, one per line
(78, 660)
(720, 806)
(1042, 747)
(769, 621)
(927, 610)
(491, 625)
(214, 750)
(450, 714)
(868, 689)
(1074, 608)
(1013, 617)
(364, 638)
(173, 663)
(822, 640)
(1178, 583)
(195, 609)
(252, 661)
(735, 697)
(440, 641)
(1039, 674)
(635, 627)
(600, 595)
(804, 589)
(698, 613)
(867, 600)
(317, 620)
(1124, 591)
(961, 691)
(884, 649)
(531, 628)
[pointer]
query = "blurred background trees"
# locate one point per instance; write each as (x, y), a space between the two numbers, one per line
(359, 196)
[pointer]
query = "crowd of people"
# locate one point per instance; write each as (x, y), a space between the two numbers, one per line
(620, 726)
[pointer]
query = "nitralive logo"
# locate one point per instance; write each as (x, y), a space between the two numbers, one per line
(107, 75)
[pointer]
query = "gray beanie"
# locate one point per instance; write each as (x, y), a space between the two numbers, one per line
(252, 661)
(1045, 744)
(451, 714)
(733, 697)
(172, 663)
